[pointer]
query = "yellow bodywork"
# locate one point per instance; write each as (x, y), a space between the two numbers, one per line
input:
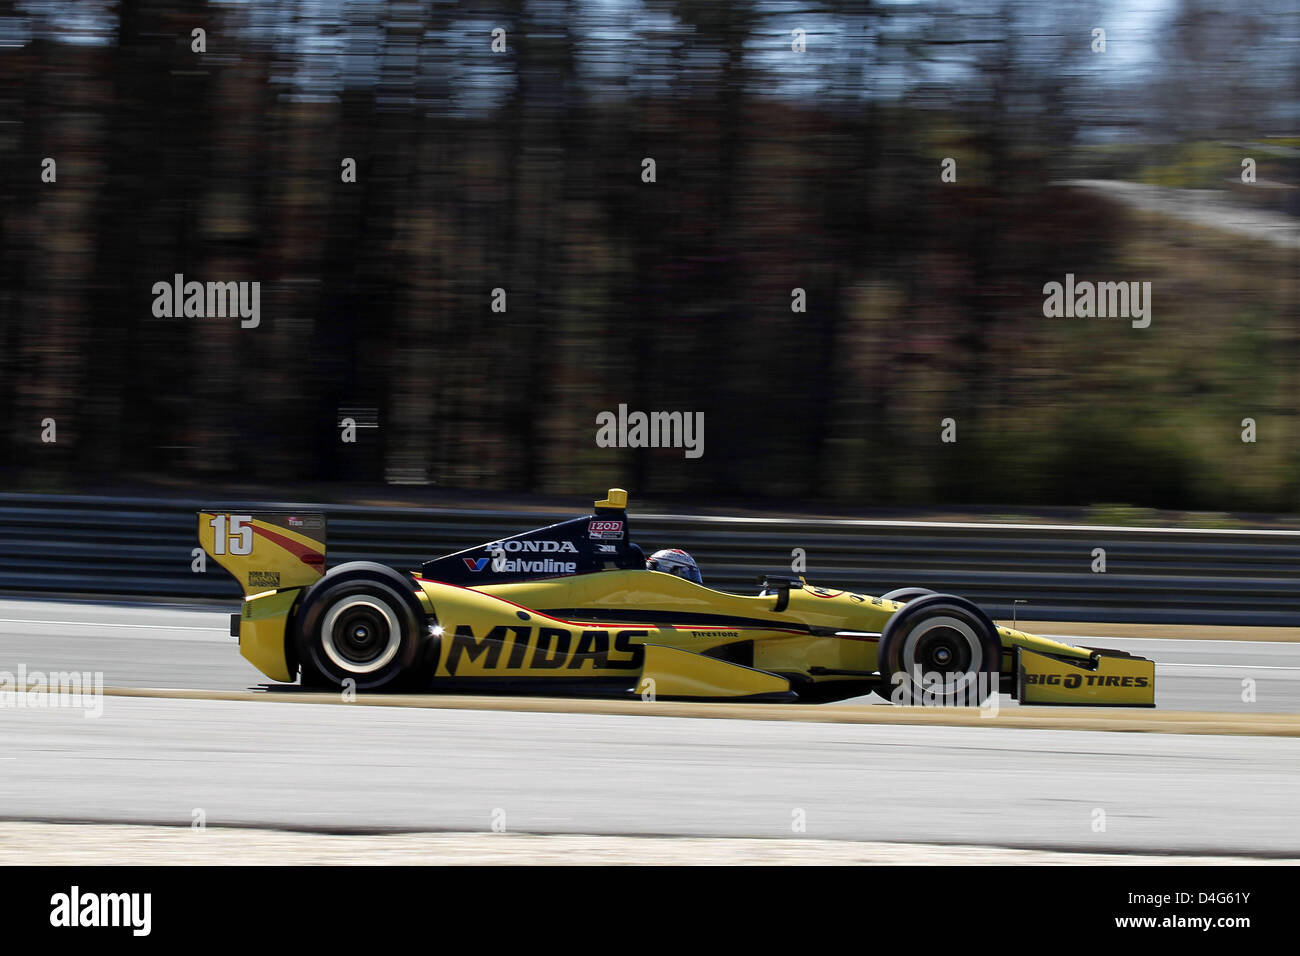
(494, 633)
(634, 630)
(826, 636)
(670, 672)
(274, 556)
(488, 636)
(262, 627)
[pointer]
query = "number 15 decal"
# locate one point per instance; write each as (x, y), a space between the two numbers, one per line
(240, 537)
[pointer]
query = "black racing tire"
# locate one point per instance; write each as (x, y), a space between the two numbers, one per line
(903, 595)
(949, 644)
(362, 622)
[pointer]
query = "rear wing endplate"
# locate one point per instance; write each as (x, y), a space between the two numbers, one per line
(265, 550)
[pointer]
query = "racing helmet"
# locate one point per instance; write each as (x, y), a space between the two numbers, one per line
(675, 561)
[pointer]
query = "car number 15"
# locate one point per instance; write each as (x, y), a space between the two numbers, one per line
(239, 539)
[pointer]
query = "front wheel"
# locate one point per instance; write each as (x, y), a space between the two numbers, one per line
(362, 625)
(939, 650)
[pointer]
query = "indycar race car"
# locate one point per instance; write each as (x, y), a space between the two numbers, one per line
(571, 609)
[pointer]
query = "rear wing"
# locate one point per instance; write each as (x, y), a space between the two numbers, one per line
(265, 550)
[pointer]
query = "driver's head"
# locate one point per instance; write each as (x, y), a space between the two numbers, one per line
(675, 561)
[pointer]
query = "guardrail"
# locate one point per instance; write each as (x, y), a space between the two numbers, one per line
(136, 546)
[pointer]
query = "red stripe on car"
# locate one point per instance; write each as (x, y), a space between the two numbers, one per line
(300, 551)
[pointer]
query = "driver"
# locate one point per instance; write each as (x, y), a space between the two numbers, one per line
(675, 561)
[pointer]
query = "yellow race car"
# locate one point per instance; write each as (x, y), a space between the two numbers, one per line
(572, 609)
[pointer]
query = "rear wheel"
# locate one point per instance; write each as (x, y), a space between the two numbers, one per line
(903, 595)
(361, 622)
(939, 650)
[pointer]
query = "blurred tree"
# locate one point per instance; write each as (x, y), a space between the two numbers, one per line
(520, 168)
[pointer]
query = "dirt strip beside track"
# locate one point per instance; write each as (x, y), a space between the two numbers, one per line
(1131, 720)
(111, 844)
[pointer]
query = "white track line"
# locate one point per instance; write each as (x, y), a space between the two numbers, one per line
(1194, 641)
(153, 627)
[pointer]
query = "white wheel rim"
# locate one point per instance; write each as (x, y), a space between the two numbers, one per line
(390, 648)
(952, 683)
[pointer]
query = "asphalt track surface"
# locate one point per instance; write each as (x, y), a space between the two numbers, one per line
(360, 768)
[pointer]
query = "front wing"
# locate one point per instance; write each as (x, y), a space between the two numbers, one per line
(1105, 678)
